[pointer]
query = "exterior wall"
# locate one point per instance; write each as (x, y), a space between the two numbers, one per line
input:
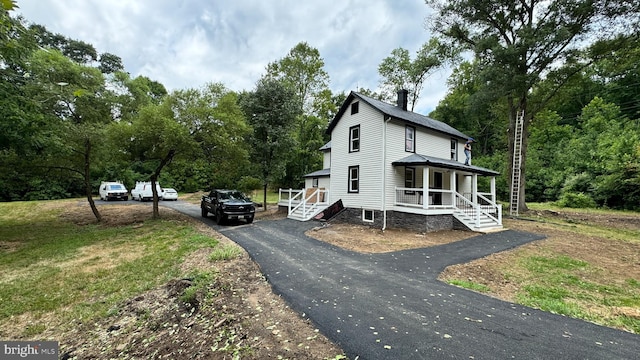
(369, 158)
(413, 222)
(427, 142)
(326, 159)
(323, 182)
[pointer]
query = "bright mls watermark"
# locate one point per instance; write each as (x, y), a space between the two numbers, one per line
(34, 350)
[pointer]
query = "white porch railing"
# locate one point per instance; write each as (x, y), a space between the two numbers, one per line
(476, 210)
(481, 209)
(304, 207)
(414, 197)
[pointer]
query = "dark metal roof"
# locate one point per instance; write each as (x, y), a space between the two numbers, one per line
(319, 173)
(397, 113)
(326, 146)
(417, 159)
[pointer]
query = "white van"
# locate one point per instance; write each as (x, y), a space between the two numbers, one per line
(143, 192)
(113, 190)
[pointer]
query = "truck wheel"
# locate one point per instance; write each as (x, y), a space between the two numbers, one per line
(204, 212)
(250, 220)
(219, 217)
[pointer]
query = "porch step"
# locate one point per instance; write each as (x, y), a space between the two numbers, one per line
(486, 224)
(298, 213)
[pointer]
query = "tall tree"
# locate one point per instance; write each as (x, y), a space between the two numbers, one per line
(302, 70)
(271, 109)
(519, 43)
(75, 101)
(398, 71)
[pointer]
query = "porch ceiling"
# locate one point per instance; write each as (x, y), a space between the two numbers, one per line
(424, 160)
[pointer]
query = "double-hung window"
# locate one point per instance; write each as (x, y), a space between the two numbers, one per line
(454, 149)
(409, 180)
(410, 139)
(354, 138)
(354, 179)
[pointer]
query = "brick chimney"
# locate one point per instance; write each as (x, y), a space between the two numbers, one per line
(403, 98)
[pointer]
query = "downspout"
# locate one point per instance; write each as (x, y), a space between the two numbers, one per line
(384, 173)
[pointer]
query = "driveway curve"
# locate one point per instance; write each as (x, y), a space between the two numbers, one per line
(391, 306)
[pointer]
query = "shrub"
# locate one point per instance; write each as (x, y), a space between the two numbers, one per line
(576, 200)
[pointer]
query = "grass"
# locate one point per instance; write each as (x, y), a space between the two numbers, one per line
(470, 285)
(55, 269)
(562, 285)
(589, 229)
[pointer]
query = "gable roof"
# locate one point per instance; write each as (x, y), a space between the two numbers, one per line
(417, 159)
(397, 113)
(326, 147)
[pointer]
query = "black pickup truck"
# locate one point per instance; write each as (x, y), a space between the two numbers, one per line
(227, 204)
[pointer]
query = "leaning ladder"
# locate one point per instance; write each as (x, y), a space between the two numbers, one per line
(517, 160)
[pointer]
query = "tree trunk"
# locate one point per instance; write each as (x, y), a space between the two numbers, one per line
(87, 179)
(154, 178)
(264, 197)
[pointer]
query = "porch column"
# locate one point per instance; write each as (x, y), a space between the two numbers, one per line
(474, 188)
(493, 189)
(474, 198)
(425, 187)
(452, 187)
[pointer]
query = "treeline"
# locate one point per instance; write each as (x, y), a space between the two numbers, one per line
(71, 117)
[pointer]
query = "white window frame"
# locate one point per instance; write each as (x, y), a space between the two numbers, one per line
(354, 141)
(454, 149)
(352, 180)
(364, 216)
(314, 182)
(410, 139)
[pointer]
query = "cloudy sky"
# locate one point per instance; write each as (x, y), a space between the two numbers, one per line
(187, 43)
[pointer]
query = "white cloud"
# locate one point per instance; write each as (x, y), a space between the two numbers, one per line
(185, 44)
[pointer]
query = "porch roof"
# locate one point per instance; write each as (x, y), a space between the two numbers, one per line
(417, 159)
(319, 173)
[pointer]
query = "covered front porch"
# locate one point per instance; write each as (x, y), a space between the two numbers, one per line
(434, 186)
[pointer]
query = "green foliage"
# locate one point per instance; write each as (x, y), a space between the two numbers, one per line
(398, 71)
(271, 110)
(247, 184)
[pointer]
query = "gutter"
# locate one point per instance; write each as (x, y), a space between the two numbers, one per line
(384, 173)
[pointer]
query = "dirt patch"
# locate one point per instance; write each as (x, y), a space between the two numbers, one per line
(237, 313)
(367, 239)
(615, 260)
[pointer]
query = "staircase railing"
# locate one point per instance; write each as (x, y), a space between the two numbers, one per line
(474, 210)
(310, 204)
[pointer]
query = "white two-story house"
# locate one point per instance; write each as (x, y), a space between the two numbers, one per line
(389, 167)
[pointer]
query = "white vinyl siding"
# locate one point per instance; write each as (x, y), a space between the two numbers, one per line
(369, 158)
(326, 160)
(323, 182)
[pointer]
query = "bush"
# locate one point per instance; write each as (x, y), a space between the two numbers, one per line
(576, 200)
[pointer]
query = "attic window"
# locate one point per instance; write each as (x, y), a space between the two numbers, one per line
(355, 107)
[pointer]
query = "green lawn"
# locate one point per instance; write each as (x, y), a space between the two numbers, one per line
(65, 271)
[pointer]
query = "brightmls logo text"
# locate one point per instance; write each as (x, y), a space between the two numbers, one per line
(33, 350)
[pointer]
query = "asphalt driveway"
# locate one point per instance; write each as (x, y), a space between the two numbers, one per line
(391, 306)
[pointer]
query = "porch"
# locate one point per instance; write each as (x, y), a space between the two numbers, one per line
(303, 204)
(435, 186)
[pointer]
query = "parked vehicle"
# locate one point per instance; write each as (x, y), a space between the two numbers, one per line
(113, 190)
(169, 194)
(143, 191)
(227, 204)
